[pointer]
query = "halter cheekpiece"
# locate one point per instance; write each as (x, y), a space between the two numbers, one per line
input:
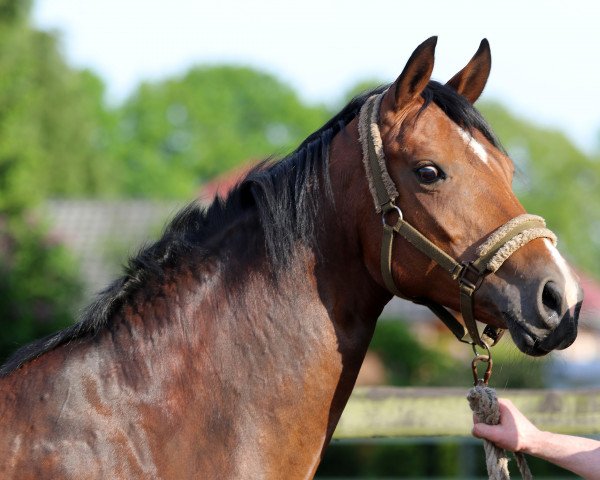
(500, 245)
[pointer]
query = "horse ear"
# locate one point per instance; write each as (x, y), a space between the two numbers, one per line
(416, 74)
(471, 80)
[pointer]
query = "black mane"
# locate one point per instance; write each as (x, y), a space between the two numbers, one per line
(286, 195)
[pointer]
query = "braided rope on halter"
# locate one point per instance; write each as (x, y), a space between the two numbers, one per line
(484, 404)
(510, 247)
(368, 128)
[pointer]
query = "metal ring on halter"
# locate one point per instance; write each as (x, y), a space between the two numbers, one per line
(485, 345)
(385, 212)
(488, 370)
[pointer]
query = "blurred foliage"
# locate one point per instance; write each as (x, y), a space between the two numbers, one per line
(394, 460)
(407, 361)
(53, 123)
(48, 114)
(58, 137)
(14, 12)
(39, 284)
(175, 134)
(448, 458)
(444, 362)
(513, 369)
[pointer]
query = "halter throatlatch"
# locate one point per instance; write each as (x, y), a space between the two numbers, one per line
(500, 245)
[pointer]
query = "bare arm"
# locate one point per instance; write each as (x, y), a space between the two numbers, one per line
(516, 433)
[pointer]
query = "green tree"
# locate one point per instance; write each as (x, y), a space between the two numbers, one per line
(45, 149)
(14, 11)
(39, 284)
(54, 125)
(179, 132)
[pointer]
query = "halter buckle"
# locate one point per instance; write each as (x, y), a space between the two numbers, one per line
(493, 334)
(470, 277)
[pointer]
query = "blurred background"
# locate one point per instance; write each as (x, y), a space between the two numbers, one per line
(115, 114)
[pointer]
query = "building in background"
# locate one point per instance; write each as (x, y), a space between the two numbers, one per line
(103, 234)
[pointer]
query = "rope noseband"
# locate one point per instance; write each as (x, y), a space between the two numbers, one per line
(500, 245)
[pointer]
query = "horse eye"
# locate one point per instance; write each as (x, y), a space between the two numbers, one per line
(429, 174)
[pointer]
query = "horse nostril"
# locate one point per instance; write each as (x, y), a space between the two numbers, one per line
(552, 297)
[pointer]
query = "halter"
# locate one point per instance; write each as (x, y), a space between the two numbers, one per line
(500, 245)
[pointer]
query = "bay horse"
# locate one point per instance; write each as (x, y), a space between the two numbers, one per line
(229, 347)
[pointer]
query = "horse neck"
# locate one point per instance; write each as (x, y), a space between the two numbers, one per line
(238, 363)
(280, 352)
(345, 284)
(315, 316)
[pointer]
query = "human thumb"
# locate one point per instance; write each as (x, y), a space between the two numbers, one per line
(482, 430)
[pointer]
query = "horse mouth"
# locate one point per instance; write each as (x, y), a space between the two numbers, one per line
(538, 344)
(525, 340)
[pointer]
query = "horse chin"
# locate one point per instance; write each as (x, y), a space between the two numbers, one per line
(538, 342)
(526, 342)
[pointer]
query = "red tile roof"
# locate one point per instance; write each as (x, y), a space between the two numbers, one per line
(221, 185)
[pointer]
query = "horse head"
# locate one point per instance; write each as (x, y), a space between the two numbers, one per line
(449, 179)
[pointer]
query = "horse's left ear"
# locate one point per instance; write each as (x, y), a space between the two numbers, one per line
(471, 80)
(415, 76)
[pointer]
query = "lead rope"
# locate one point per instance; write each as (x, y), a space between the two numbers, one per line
(484, 404)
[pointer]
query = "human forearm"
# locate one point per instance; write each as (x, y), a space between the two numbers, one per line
(577, 454)
(517, 434)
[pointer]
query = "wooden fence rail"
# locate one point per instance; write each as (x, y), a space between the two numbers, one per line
(404, 412)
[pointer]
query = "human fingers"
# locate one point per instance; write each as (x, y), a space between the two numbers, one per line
(500, 435)
(481, 430)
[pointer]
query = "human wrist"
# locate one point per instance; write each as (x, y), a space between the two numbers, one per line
(534, 443)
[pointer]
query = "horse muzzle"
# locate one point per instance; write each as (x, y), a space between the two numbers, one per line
(544, 322)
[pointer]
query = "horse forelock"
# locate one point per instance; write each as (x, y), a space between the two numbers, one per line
(459, 110)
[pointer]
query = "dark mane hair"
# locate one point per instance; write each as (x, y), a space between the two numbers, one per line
(286, 195)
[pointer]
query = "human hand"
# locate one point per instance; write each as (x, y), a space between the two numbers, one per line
(514, 432)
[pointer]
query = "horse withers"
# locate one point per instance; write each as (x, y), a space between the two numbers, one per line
(228, 349)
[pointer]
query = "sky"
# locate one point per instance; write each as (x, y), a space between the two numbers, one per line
(545, 63)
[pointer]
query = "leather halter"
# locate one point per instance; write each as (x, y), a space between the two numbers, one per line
(490, 255)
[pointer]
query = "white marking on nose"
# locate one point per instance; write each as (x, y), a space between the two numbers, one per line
(476, 147)
(571, 284)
